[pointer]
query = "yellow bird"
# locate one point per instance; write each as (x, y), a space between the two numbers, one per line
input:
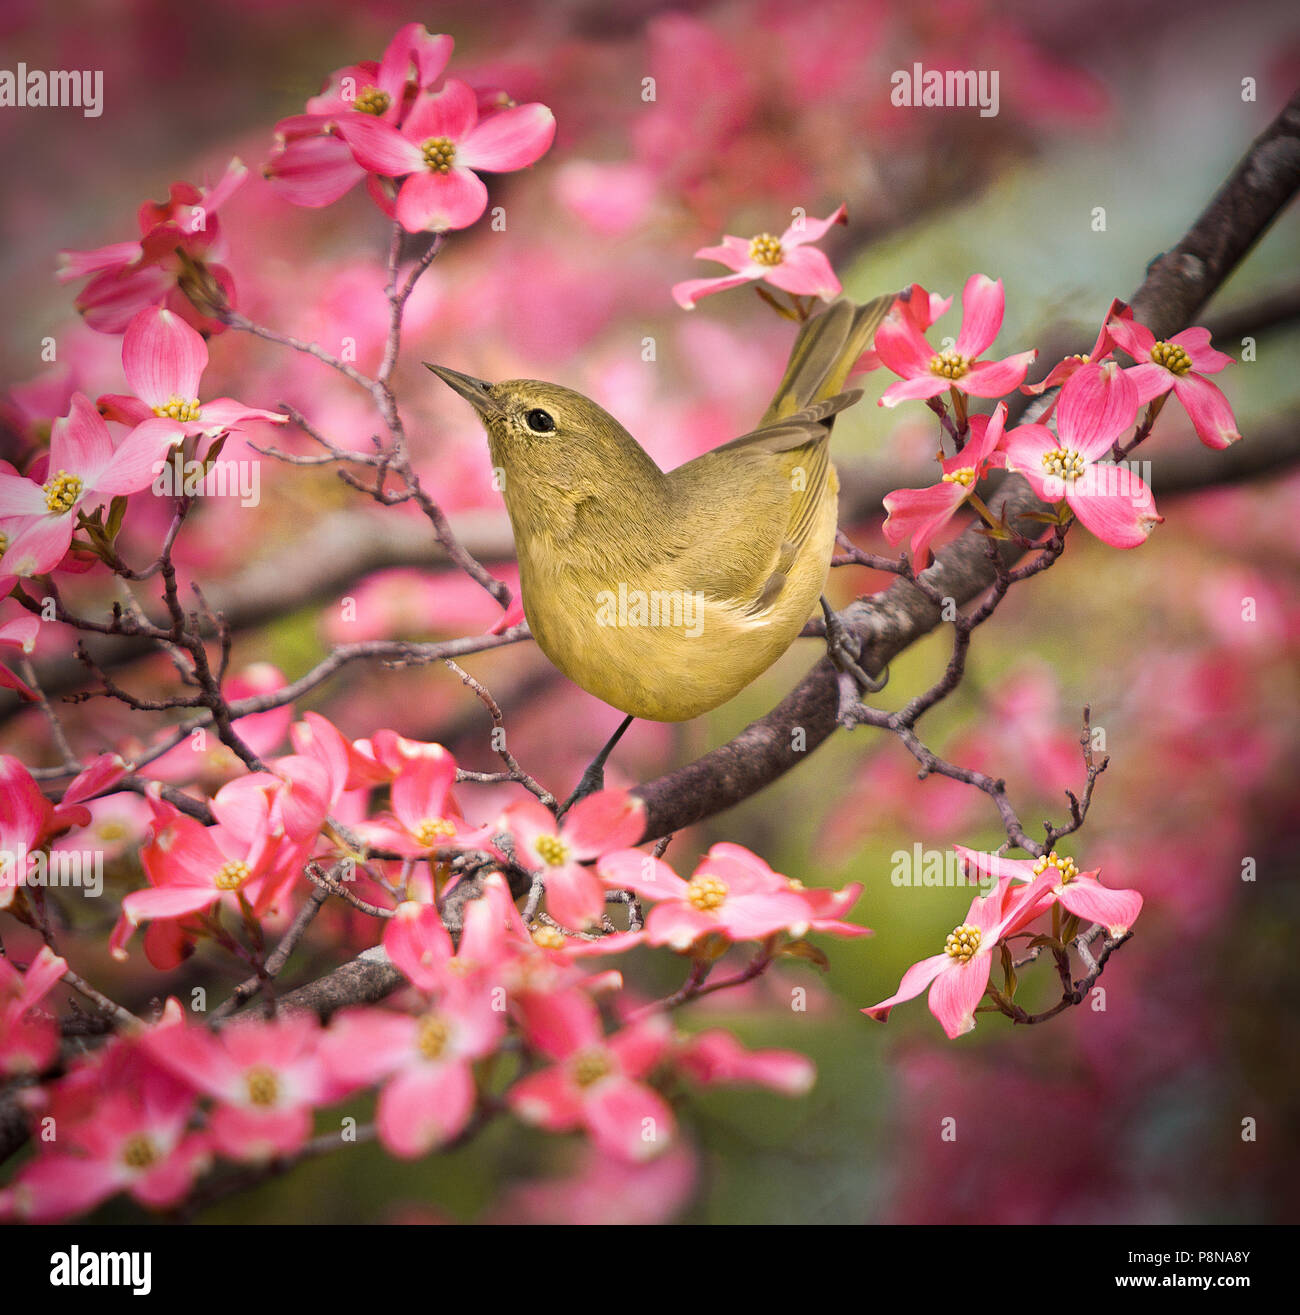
(665, 593)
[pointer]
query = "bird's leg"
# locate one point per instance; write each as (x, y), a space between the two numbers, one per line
(844, 650)
(593, 778)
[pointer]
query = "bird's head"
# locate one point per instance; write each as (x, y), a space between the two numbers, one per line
(553, 438)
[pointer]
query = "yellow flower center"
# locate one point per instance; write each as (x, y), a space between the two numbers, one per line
(549, 938)
(706, 893)
(590, 1066)
(439, 154)
(262, 1085)
(138, 1151)
(179, 409)
(949, 365)
(432, 830)
(1064, 464)
(4, 543)
(432, 1036)
(232, 875)
(551, 850)
(1172, 357)
(370, 100)
(1065, 866)
(766, 250)
(965, 477)
(962, 942)
(111, 830)
(62, 492)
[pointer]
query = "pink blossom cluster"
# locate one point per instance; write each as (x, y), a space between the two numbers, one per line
(502, 1016)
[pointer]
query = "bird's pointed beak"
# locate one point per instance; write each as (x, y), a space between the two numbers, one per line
(475, 391)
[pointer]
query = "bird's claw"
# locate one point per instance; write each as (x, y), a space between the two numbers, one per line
(844, 649)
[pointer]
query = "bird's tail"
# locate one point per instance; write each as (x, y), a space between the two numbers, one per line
(825, 351)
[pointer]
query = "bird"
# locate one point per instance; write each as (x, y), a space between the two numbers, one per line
(665, 593)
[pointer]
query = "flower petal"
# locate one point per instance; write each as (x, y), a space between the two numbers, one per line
(163, 357)
(982, 304)
(436, 202)
(512, 139)
(1208, 410)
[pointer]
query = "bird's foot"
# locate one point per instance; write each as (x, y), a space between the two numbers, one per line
(593, 778)
(844, 649)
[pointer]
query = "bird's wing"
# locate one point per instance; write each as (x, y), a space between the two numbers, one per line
(824, 353)
(762, 492)
(760, 495)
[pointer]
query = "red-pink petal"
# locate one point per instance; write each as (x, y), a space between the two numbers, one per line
(451, 113)
(804, 230)
(1097, 404)
(163, 357)
(137, 461)
(901, 347)
(435, 202)
(956, 991)
(628, 1120)
(915, 980)
(314, 171)
(424, 1106)
(997, 378)
(1208, 410)
(378, 146)
(1116, 910)
(1115, 505)
(687, 293)
(921, 513)
(608, 819)
(982, 306)
(512, 139)
(80, 442)
(804, 271)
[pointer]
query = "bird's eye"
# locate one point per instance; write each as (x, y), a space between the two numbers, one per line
(540, 422)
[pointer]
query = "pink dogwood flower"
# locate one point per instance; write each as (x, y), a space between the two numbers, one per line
(18, 631)
(786, 262)
(136, 1140)
(732, 893)
(86, 470)
(438, 148)
(922, 308)
(959, 975)
(1078, 892)
(604, 821)
(266, 1075)
(1179, 364)
(424, 815)
(126, 277)
(28, 1042)
(595, 1081)
(425, 1060)
(1096, 405)
(312, 165)
(192, 866)
(1061, 371)
(926, 373)
(164, 360)
(28, 821)
(715, 1058)
(922, 513)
